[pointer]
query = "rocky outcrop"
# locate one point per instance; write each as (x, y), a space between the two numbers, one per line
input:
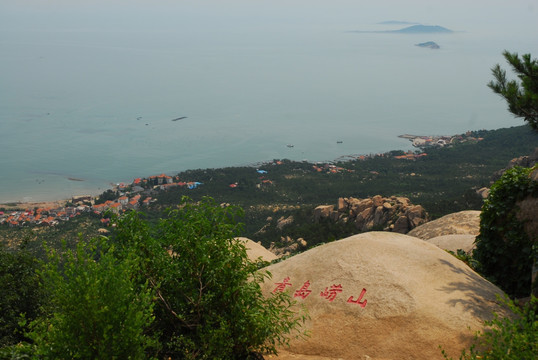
(381, 295)
(460, 223)
(255, 250)
(394, 213)
(483, 192)
(322, 211)
(454, 242)
(283, 221)
(291, 246)
(524, 161)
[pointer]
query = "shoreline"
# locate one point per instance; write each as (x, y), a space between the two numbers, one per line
(32, 205)
(62, 199)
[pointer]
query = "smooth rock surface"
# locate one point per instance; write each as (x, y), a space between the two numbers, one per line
(460, 223)
(382, 295)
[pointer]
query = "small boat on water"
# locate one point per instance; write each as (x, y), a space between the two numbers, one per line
(290, 145)
(339, 142)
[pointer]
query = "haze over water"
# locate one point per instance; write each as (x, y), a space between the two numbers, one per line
(89, 90)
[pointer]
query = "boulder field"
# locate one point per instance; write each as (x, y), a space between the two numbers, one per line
(394, 213)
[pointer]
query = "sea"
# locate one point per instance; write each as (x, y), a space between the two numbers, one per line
(84, 105)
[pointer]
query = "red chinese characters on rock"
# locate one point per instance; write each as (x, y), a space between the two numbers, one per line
(303, 292)
(330, 293)
(280, 287)
(362, 304)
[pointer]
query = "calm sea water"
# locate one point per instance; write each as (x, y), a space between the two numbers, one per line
(98, 105)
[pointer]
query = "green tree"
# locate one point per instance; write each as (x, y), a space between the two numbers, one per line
(20, 294)
(209, 300)
(504, 251)
(510, 338)
(96, 309)
(522, 97)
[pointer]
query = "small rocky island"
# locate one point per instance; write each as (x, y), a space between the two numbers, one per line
(429, 44)
(423, 29)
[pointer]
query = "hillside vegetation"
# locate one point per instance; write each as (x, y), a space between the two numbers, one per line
(444, 181)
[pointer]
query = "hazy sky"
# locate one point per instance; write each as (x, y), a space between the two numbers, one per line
(170, 15)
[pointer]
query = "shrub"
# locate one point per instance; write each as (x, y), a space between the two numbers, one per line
(96, 310)
(503, 249)
(209, 301)
(19, 294)
(509, 338)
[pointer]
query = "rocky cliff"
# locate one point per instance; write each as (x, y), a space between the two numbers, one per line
(394, 213)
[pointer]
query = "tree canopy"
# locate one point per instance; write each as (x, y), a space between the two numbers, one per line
(182, 287)
(522, 96)
(209, 303)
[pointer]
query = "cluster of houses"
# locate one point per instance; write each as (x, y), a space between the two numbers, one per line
(439, 141)
(85, 204)
(329, 168)
(410, 156)
(156, 182)
(42, 216)
(53, 216)
(121, 204)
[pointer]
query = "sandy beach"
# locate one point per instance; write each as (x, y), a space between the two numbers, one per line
(32, 205)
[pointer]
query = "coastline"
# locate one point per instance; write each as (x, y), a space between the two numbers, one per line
(417, 141)
(32, 205)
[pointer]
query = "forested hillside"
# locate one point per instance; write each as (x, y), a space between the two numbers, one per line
(443, 181)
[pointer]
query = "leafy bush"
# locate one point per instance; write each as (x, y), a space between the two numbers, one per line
(19, 294)
(508, 338)
(209, 301)
(503, 249)
(467, 258)
(96, 310)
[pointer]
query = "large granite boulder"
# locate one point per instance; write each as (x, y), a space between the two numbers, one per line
(453, 243)
(255, 250)
(322, 211)
(460, 223)
(382, 295)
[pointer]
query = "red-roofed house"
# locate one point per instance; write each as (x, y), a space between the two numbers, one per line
(115, 208)
(133, 204)
(99, 208)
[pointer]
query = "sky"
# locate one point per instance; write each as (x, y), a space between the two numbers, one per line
(168, 15)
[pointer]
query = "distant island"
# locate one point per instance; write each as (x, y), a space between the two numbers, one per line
(429, 44)
(414, 29)
(423, 29)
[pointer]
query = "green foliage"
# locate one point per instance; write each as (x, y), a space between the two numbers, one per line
(467, 258)
(508, 338)
(302, 226)
(107, 195)
(444, 183)
(96, 310)
(522, 97)
(19, 294)
(209, 299)
(503, 249)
